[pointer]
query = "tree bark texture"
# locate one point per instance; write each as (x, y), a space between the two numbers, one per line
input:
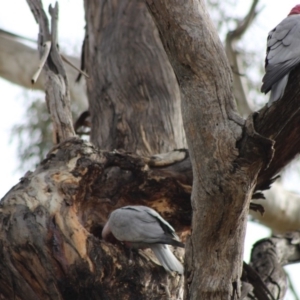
(267, 258)
(56, 86)
(51, 221)
(221, 192)
(227, 154)
(48, 250)
(136, 103)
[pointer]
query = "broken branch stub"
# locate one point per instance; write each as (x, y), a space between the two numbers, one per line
(56, 86)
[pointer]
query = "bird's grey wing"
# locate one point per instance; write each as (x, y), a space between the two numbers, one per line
(166, 227)
(283, 51)
(135, 226)
(163, 223)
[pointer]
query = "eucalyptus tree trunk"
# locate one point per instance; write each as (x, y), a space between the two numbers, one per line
(51, 222)
(133, 94)
(230, 159)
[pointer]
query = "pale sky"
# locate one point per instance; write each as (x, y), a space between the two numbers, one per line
(71, 25)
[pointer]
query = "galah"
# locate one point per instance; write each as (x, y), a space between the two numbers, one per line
(283, 54)
(142, 227)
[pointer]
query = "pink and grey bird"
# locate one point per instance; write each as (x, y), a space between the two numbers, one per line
(142, 227)
(283, 54)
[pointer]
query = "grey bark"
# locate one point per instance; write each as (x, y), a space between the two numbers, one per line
(51, 224)
(212, 128)
(57, 87)
(137, 93)
(50, 221)
(268, 258)
(226, 164)
(14, 66)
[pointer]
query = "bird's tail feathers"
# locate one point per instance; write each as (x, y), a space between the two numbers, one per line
(177, 243)
(167, 258)
(277, 90)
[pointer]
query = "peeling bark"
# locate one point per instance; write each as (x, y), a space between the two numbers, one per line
(14, 66)
(51, 224)
(51, 221)
(57, 86)
(47, 247)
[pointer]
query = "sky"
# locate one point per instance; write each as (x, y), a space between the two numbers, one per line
(71, 30)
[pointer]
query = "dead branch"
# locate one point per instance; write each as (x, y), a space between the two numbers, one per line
(57, 88)
(268, 258)
(240, 89)
(18, 62)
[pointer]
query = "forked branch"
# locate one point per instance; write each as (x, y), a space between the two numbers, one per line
(57, 88)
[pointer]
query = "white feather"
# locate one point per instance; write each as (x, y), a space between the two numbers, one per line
(167, 258)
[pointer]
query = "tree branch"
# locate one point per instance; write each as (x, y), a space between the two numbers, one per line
(57, 89)
(280, 123)
(240, 89)
(77, 185)
(281, 209)
(268, 258)
(136, 87)
(15, 67)
(206, 110)
(212, 128)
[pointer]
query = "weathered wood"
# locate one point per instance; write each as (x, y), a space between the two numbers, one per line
(47, 249)
(51, 223)
(226, 153)
(52, 220)
(268, 258)
(57, 88)
(281, 123)
(133, 95)
(221, 192)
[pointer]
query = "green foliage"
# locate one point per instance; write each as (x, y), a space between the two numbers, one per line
(34, 134)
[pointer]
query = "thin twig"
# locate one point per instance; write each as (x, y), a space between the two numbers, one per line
(240, 87)
(47, 47)
(73, 66)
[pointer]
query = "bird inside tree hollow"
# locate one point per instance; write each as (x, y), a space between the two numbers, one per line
(283, 54)
(142, 227)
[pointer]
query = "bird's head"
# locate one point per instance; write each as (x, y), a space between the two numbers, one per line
(295, 10)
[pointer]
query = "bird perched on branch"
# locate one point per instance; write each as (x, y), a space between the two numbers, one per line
(283, 54)
(142, 227)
